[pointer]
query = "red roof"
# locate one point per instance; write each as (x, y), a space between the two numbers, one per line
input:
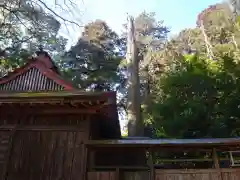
(35, 63)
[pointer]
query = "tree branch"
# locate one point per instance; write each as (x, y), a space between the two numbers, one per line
(57, 15)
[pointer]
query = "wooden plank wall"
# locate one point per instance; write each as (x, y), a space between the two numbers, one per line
(141, 175)
(191, 174)
(4, 148)
(102, 176)
(198, 174)
(47, 147)
(113, 175)
(230, 174)
(47, 155)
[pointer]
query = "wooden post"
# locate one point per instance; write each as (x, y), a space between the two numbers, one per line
(215, 159)
(117, 174)
(216, 163)
(84, 161)
(91, 160)
(151, 165)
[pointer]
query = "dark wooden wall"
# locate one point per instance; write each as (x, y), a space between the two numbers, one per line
(102, 129)
(47, 155)
(44, 147)
(119, 157)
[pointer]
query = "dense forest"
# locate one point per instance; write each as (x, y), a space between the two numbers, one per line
(189, 84)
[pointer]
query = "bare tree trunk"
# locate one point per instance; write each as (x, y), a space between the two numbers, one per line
(133, 85)
(207, 43)
(234, 42)
(145, 82)
(235, 7)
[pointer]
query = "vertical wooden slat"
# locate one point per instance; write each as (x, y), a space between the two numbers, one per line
(10, 149)
(137, 175)
(84, 161)
(91, 160)
(92, 176)
(198, 174)
(73, 154)
(101, 176)
(78, 154)
(5, 138)
(85, 151)
(48, 155)
(117, 174)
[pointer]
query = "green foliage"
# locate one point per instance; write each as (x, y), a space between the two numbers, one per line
(23, 29)
(192, 96)
(93, 62)
(199, 100)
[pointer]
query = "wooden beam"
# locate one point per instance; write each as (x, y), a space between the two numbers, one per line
(172, 148)
(42, 128)
(122, 167)
(67, 111)
(54, 110)
(56, 100)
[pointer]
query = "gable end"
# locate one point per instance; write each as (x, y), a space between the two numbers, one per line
(31, 80)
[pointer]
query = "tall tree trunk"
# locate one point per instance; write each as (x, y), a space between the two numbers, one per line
(235, 42)
(235, 7)
(144, 73)
(133, 85)
(207, 43)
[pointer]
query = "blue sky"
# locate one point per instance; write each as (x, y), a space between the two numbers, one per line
(177, 14)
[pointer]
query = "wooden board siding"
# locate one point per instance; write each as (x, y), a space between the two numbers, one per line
(191, 174)
(32, 80)
(5, 139)
(188, 175)
(47, 155)
(46, 147)
(198, 174)
(79, 122)
(141, 175)
(101, 176)
(230, 174)
(113, 175)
